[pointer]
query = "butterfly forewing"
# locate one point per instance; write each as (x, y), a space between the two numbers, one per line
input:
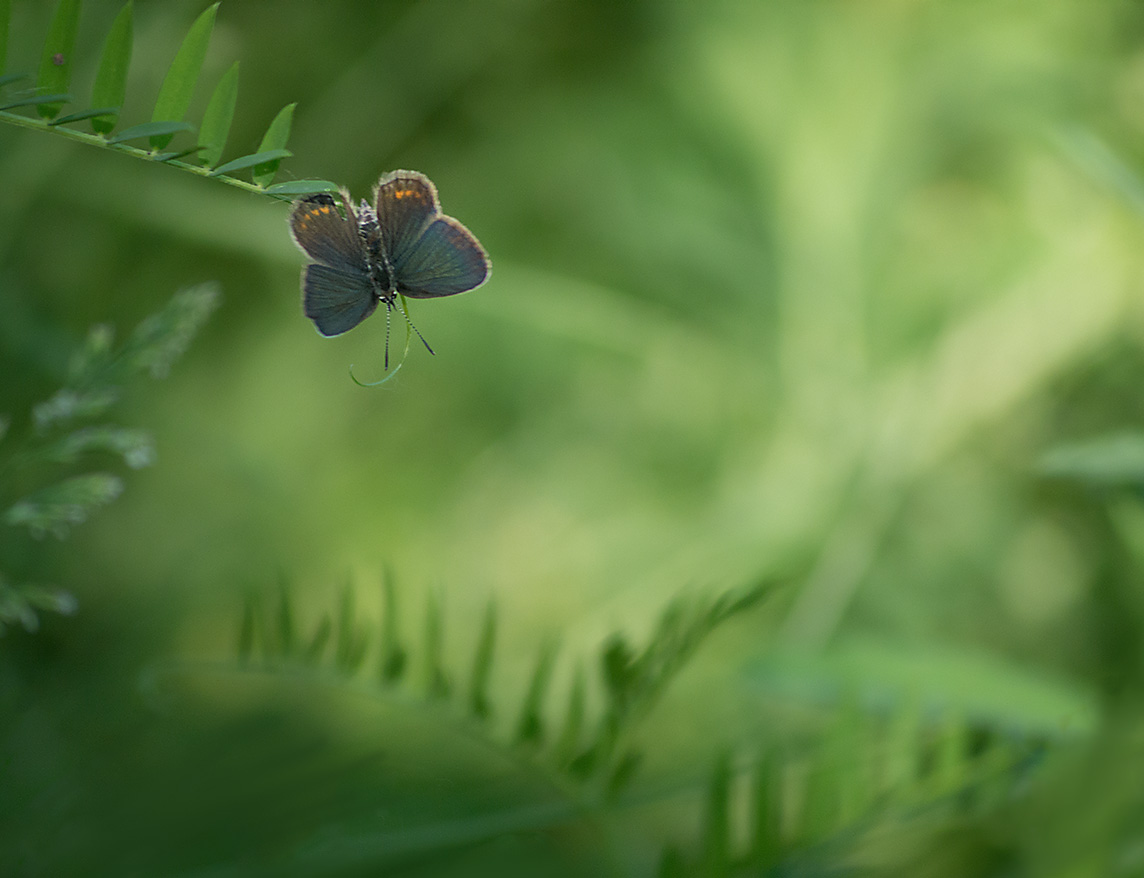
(446, 260)
(327, 236)
(406, 203)
(336, 301)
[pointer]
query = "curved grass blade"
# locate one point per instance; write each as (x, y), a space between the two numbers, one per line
(302, 187)
(9, 78)
(86, 114)
(179, 84)
(110, 87)
(56, 61)
(5, 23)
(248, 160)
(219, 115)
(38, 101)
(274, 138)
(150, 129)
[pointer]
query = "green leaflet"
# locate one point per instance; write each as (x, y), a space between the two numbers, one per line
(179, 84)
(110, 87)
(150, 129)
(86, 114)
(302, 187)
(56, 60)
(219, 115)
(254, 159)
(274, 139)
(57, 100)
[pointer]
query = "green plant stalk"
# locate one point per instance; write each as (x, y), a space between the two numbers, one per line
(97, 140)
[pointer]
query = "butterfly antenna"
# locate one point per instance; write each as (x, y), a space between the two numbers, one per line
(397, 301)
(388, 308)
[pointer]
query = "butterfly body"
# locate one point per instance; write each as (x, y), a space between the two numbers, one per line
(399, 244)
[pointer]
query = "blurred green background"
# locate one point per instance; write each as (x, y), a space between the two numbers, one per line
(802, 290)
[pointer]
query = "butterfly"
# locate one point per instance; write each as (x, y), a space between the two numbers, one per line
(400, 245)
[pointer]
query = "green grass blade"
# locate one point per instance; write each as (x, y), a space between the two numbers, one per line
(9, 78)
(569, 741)
(110, 87)
(302, 187)
(482, 664)
(392, 652)
(246, 630)
(5, 23)
(717, 832)
(56, 61)
(150, 129)
(247, 160)
(179, 84)
(530, 727)
(436, 680)
(219, 115)
(274, 139)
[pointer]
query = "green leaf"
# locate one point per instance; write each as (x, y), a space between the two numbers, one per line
(302, 187)
(110, 88)
(247, 160)
(274, 138)
(5, 23)
(179, 85)
(163, 337)
(86, 114)
(176, 154)
(9, 78)
(56, 61)
(58, 507)
(70, 405)
(150, 129)
(219, 115)
(134, 446)
(39, 101)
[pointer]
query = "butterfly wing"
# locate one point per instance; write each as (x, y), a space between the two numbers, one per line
(328, 237)
(336, 300)
(445, 260)
(406, 204)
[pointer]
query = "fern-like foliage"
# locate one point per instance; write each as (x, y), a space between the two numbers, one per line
(597, 760)
(201, 150)
(813, 804)
(39, 488)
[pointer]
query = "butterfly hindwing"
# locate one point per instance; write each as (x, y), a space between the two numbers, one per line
(446, 259)
(335, 300)
(406, 203)
(326, 236)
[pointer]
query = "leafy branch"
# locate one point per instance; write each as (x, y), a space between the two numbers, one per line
(51, 93)
(65, 431)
